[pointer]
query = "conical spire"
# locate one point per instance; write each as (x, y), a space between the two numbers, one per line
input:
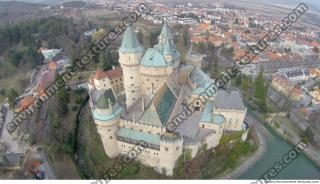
(167, 48)
(130, 42)
(166, 32)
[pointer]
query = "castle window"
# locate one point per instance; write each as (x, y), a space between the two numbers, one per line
(132, 91)
(131, 77)
(140, 130)
(202, 126)
(157, 80)
(111, 137)
(177, 148)
(109, 130)
(167, 149)
(133, 99)
(132, 84)
(147, 79)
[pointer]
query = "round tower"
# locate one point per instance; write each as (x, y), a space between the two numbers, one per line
(130, 54)
(171, 146)
(106, 114)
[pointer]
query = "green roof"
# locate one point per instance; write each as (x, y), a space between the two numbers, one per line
(137, 135)
(207, 112)
(153, 58)
(165, 104)
(208, 117)
(218, 119)
(106, 117)
(130, 42)
(166, 32)
(167, 49)
(150, 116)
(103, 102)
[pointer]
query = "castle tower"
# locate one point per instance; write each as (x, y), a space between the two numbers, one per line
(130, 54)
(106, 114)
(165, 34)
(168, 52)
(171, 146)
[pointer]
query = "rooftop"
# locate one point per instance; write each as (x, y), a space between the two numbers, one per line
(130, 42)
(106, 99)
(229, 100)
(138, 136)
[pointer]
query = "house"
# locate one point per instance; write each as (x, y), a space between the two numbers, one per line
(106, 79)
(25, 103)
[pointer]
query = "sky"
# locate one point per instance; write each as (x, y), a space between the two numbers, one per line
(313, 3)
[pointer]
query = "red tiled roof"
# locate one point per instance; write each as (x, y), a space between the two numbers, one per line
(100, 74)
(46, 79)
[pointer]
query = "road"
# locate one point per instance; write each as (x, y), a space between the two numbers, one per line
(260, 133)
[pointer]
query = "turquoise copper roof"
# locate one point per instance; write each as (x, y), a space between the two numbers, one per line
(130, 42)
(208, 117)
(218, 119)
(106, 117)
(167, 48)
(166, 32)
(207, 112)
(103, 102)
(150, 116)
(137, 135)
(165, 103)
(153, 58)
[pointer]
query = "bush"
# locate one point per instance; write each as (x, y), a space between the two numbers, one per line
(79, 100)
(74, 108)
(276, 124)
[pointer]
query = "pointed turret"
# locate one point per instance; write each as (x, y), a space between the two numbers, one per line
(165, 34)
(130, 42)
(130, 54)
(168, 51)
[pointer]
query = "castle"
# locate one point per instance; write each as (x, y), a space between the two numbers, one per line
(157, 87)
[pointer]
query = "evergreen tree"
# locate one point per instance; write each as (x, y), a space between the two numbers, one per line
(238, 80)
(106, 60)
(246, 83)
(260, 87)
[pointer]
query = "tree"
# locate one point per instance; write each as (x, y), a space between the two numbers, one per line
(238, 80)
(106, 60)
(63, 99)
(260, 90)
(186, 36)
(12, 95)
